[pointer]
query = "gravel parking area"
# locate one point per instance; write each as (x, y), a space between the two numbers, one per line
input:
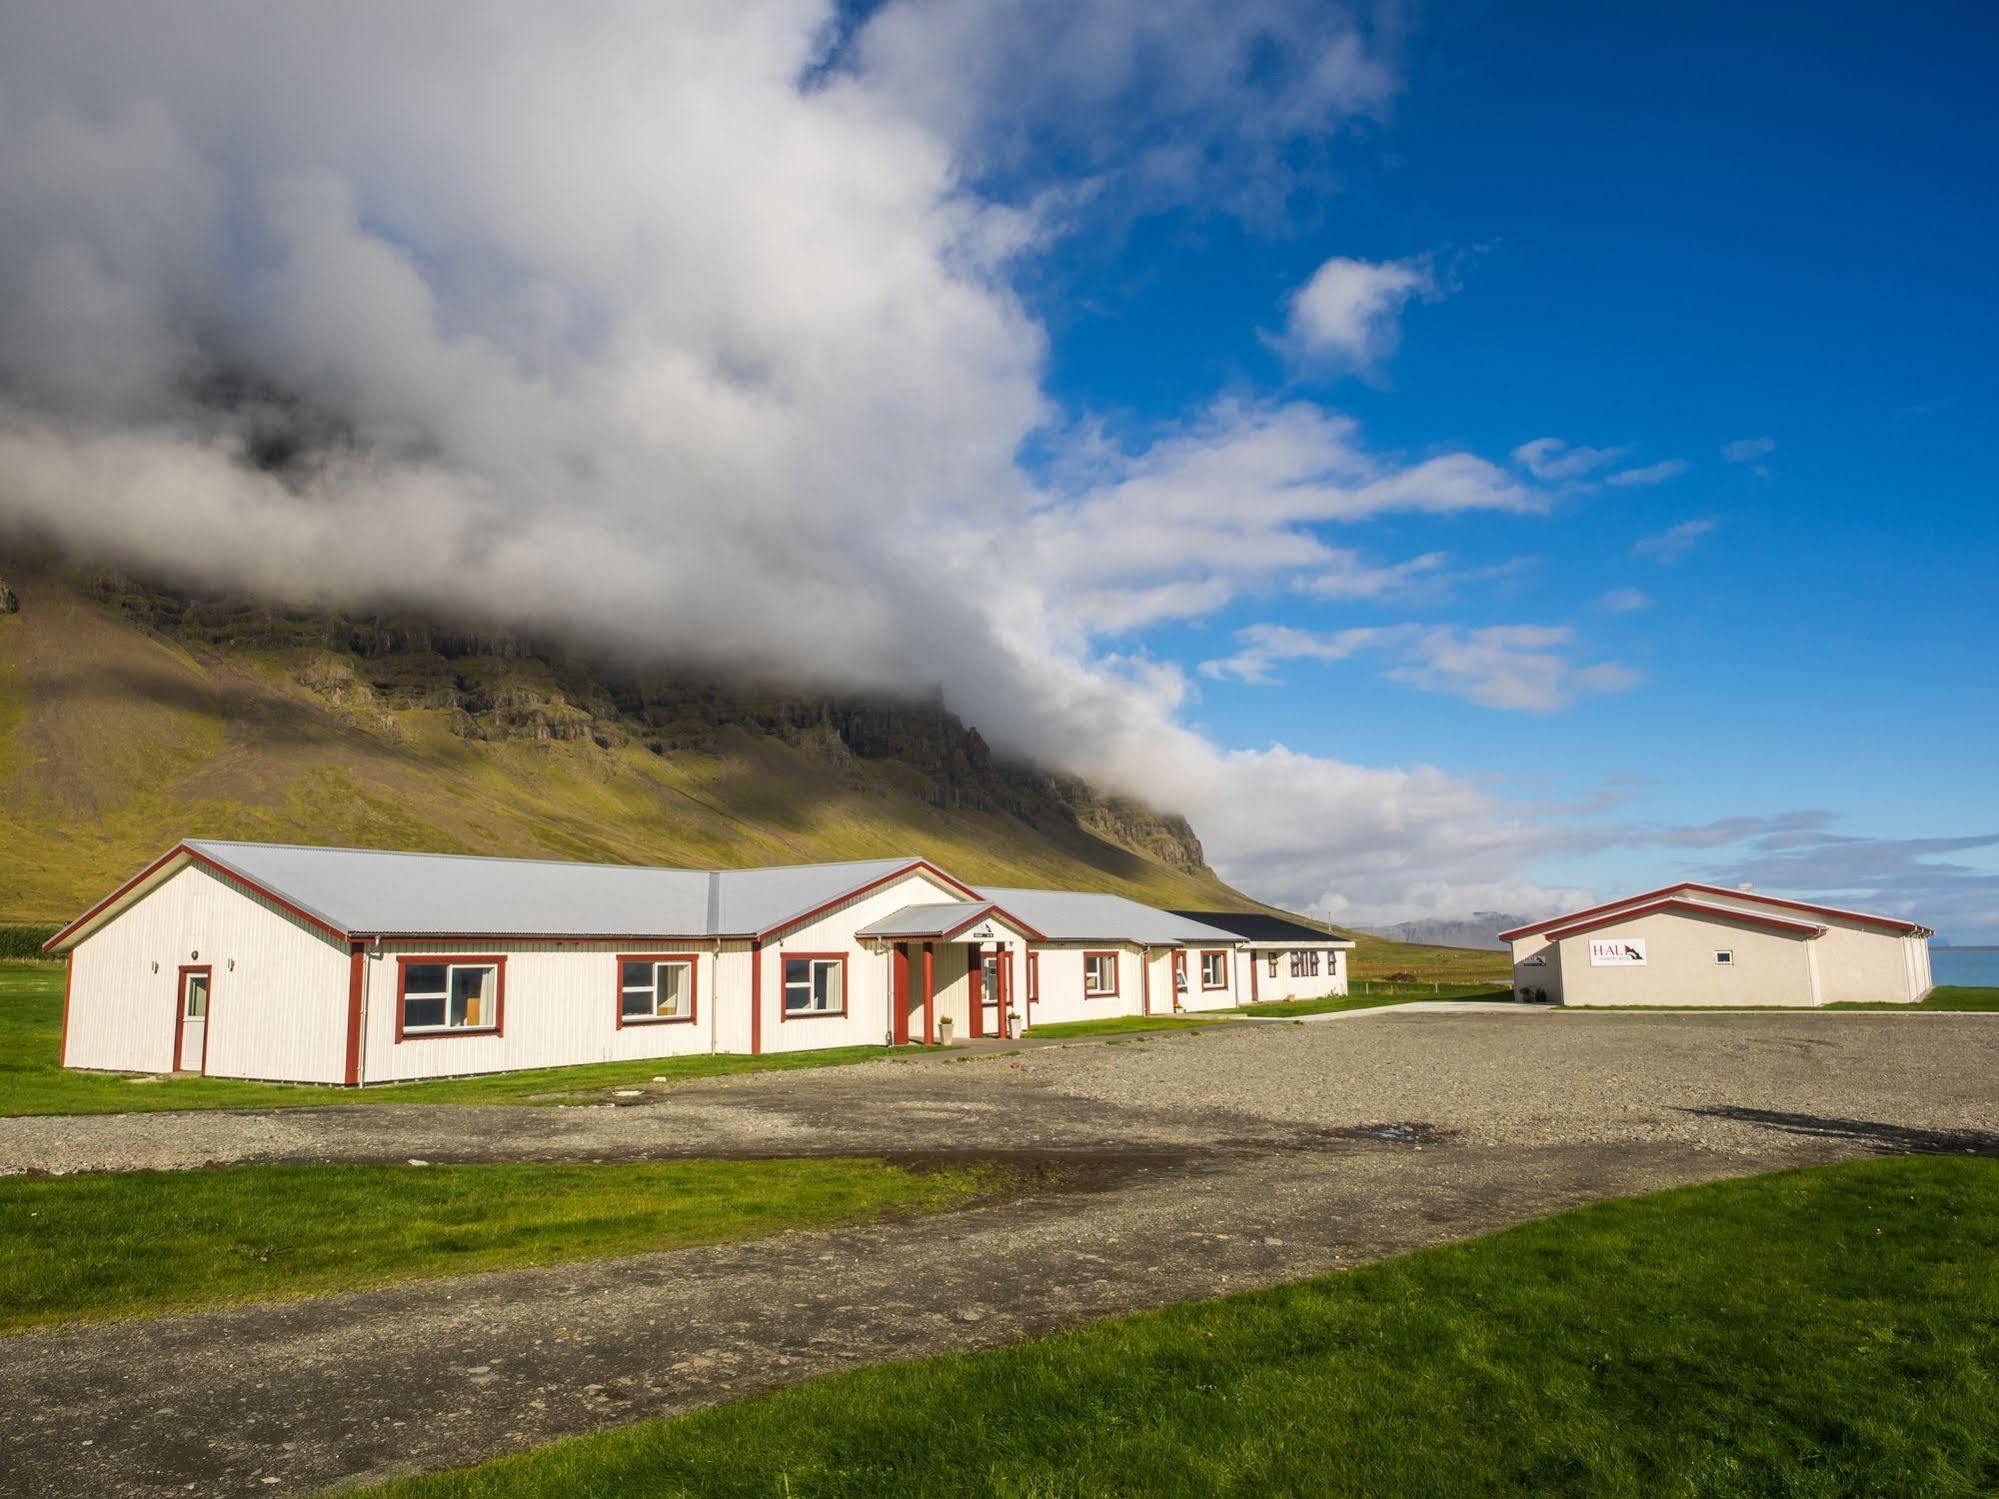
(1189, 1164)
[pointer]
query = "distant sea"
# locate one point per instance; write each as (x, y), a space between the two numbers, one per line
(1975, 966)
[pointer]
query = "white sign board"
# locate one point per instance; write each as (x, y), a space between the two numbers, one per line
(983, 934)
(1617, 952)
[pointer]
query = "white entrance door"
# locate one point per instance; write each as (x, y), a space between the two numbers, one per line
(191, 1050)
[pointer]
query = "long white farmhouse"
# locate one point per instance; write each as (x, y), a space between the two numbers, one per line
(354, 966)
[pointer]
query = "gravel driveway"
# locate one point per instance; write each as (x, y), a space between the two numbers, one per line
(1200, 1162)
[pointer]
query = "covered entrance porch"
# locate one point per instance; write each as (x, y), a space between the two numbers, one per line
(957, 969)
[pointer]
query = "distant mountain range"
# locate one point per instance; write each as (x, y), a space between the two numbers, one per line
(1479, 930)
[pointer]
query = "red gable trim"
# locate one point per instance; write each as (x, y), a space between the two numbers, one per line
(1587, 911)
(214, 866)
(1894, 923)
(917, 866)
(1690, 908)
(1004, 915)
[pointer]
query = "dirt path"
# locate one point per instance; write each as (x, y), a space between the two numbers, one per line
(1275, 1160)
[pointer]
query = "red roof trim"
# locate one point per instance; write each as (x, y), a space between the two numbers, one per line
(1894, 922)
(213, 866)
(915, 866)
(1690, 907)
(994, 909)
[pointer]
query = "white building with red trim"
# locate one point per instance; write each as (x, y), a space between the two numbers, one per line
(356, 966)
(1694, 944)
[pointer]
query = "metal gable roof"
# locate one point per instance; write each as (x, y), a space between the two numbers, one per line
(1085, 916)
(351, 892)
(1256, 926)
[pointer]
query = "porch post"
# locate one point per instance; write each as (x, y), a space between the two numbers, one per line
(975, 985)
(899, 993)
(1005, 972)
(930, 994)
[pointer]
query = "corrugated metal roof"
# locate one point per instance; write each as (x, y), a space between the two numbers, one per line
(369, 891)
(1255, 926)
(928, 920)
(1085, 916)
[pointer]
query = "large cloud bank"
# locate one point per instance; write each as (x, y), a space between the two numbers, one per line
(691, 330)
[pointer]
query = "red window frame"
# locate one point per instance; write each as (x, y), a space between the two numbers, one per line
(693, 988)
(1110, 993)
(1033, 977)
(496, 961)
(785, 1012)
(1214, 952)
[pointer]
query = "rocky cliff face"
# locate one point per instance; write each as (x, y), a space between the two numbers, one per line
(497, 686)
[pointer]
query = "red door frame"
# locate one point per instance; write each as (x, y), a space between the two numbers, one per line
(975, 986)
(180, 1010)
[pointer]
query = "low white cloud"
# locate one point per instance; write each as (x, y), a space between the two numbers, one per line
(1623, 600)
(1557, 462)
(1349, 313)
(1520, 667)
(1748, 449)
(1235, 500)
(1673, 543)
(1651, 473)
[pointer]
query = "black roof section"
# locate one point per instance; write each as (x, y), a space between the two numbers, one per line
(1255, 926)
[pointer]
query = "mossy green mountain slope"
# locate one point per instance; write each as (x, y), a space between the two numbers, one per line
(130, 717)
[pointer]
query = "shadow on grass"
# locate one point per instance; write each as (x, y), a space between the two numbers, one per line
(1883, 1139)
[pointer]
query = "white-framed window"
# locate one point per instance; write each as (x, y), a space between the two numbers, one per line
(1273, 965)
(815, 984)
(1214, 969)
(655, 988)
(1725, 956)
(1099, 974)
(443, 996)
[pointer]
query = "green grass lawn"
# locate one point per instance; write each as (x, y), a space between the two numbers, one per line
(1379, 996)
(143, 1242)
(31, 1082)
(1814, 1333)
(1124, 1025)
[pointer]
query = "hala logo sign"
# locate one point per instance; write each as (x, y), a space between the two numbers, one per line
(983, 934)
(1617, 952)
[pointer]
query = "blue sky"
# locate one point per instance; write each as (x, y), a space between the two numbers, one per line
(1470, 457)
(1661, 231)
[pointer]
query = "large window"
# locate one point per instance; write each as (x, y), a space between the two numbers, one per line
(655, 989)
(1297, 964)
(1312, 963)
(449, 996)
(1099, 975)
(1214, 969)
(815, 984)
(1273, 965)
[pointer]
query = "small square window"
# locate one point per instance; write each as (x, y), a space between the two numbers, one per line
(1725, 956)
(1099, 974)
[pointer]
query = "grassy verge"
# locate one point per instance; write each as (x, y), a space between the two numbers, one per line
(1818, 1332)
(1124, 1025)
(144, 1242)
(1381, 996)
(32, 1082)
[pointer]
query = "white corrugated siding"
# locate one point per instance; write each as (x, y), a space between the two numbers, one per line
(560, 1007)
(869, 976)
(279, 1014)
